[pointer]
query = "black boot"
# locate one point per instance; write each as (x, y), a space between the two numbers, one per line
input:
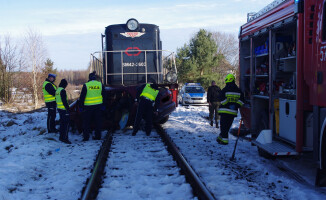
(211, 123)
(134, 133)
(217, 126)
(65, 141)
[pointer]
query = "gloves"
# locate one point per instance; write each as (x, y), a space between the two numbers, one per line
(103, 107)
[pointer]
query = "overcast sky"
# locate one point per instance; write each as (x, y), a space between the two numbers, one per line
(71, 29)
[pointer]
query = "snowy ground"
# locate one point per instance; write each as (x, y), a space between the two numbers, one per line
(249, 177)
(34, 165)
(140, 167)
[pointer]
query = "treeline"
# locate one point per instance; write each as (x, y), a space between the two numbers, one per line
(208, 56)
(74, 77)
(24, 66)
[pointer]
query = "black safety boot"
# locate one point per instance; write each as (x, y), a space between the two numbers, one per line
(65, 141)
(217, 126)
(211, 123)
(133, 133)
(148, 134)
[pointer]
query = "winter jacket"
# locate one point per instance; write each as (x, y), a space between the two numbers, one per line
(50, 89)
(231, 99)
(63, 95)
(213, 94)
(83, 96)
(140, 90)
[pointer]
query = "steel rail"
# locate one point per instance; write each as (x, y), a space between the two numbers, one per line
(93, 183)
(196, 183)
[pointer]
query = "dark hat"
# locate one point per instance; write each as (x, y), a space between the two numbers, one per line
(154, 86)
(63, 83)
(92, 76)
(52, 75)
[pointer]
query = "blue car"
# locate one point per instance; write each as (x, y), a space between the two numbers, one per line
(193, 94)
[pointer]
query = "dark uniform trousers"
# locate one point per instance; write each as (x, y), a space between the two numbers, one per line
(92, 113)
(226, 123)
(64, 124)
(213, 109)
(51, 117)
(144, 111)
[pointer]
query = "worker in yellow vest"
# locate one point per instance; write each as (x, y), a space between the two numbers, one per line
(63, 109)
(91, 104)
(49, 89)
(147, 99)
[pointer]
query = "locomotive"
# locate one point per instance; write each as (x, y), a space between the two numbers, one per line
(132, 55)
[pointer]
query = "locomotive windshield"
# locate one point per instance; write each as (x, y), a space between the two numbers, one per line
(133, 57)
(132, 54)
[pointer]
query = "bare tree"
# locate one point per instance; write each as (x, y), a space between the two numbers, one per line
(228, 46)
(8, 67)
(34, 58)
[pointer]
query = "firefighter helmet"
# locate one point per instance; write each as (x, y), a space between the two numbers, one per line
(229, 78)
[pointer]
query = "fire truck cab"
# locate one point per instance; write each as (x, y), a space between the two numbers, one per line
(282, 69)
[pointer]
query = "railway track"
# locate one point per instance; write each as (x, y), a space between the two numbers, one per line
(142, 167)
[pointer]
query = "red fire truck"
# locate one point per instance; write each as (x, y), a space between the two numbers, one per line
(282, 68)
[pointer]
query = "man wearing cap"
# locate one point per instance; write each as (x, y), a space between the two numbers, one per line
(91, 102)
(63, 109)
(231, 99)
(49, 89)
(148, 98)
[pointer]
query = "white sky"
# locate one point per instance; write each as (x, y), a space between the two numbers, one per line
(71, 29)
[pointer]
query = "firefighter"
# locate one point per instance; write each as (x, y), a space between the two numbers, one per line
(231, 99)
(49, 89)
(63, 109)
(91, 105)
(147, 99)
(213, 99)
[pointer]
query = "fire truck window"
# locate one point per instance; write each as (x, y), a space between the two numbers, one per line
(324, 23)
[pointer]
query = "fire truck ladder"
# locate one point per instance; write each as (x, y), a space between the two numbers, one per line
(267, 8)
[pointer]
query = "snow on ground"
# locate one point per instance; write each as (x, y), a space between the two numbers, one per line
(140, 167)
(249, 177)
(35, 165)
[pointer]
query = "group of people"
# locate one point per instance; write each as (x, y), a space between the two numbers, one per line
(224, 103)
(91, 106)
(91, 101)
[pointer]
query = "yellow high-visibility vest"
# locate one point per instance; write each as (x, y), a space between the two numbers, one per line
(48, 97)
(149, 92)
(59, 100)
(94, 93)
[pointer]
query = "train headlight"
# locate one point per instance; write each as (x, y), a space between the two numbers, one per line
(171, 77)
(132, 24)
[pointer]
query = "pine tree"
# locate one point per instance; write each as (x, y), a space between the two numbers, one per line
(197, 60)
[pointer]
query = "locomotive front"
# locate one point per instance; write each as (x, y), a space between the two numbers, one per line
(132, 54)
